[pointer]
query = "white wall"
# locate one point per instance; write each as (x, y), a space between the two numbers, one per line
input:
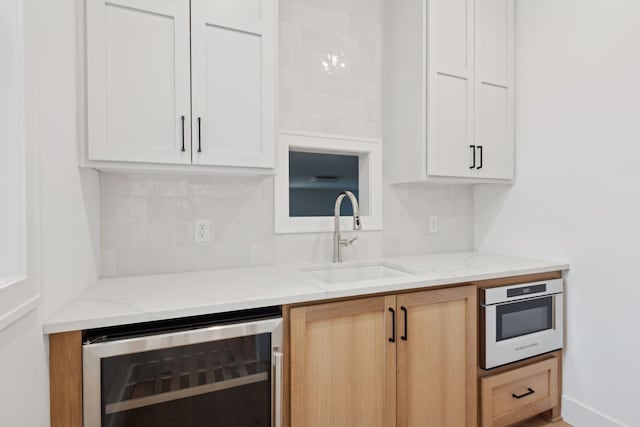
(67, 217)
(576, 194)
(10, 137)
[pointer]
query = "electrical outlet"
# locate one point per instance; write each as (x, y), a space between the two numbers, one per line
(433, 225)
(202, 230)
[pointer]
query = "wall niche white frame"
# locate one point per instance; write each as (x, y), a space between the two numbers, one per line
(369, 152)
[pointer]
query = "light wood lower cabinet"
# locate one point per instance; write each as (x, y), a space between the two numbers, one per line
(437, 361)
(401, 360)
(518, 394)
(343, 364)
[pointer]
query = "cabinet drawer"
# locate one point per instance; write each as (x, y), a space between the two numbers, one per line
(518, 394)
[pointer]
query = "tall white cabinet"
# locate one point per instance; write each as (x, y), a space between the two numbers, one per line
(494, 62)
(448, 90)
(180, 82)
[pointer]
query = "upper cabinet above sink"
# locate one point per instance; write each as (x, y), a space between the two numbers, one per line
(189, 83)
(448, 91)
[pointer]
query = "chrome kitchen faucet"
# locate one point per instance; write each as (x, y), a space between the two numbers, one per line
(338, 242)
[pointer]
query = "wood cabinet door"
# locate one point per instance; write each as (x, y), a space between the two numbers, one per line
(138, 81)
(343, 364)
(437, 358)
(233, 48)
(494, 88)
(450, 87)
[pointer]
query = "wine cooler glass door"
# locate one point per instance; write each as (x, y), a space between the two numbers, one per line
(211, 377)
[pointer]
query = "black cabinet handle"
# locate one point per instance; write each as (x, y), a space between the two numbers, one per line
(182, 133)
(404, 337)
(393, 325)
(480, 149)
(199, 135)
(528, 393)
(473, 166)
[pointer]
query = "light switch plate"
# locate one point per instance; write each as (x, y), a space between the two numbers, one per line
(202, 230)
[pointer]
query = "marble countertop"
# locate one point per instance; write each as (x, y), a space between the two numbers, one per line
(126, 300)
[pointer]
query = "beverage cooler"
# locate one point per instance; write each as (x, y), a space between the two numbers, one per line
(213, 371)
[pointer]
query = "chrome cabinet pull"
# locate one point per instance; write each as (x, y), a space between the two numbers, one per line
(528, 393)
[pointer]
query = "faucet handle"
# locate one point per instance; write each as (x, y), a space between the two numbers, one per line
(348, 242)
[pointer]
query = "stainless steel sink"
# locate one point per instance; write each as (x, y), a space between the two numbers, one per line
(356, 272)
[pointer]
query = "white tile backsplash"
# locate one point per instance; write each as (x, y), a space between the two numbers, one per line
(330, 79)
(240, 209)
(330, 66)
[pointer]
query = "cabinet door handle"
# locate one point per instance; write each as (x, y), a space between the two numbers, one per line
(528, 393)
(473, 166)
(393, 325)
(406, 327)
(199, 135)
(480, 149)
(182, 118)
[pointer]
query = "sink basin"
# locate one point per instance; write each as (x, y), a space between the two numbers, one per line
(353, 273)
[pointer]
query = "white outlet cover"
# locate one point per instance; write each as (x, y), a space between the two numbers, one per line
(433, 224)
(202, 230)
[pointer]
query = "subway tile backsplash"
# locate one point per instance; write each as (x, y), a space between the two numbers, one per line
(148, 224)
(330, 66)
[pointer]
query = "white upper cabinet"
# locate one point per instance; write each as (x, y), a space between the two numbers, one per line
(138, 81)
(450, 73)
(234, 74)
(494, 87)
(448, 90)
(179, 82)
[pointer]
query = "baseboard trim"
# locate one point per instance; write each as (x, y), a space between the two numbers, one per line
(580, 415)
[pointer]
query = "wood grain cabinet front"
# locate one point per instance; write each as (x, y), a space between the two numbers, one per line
(401, 360)
(518, 394)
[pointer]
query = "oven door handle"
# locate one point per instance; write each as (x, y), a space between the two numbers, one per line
(277, 410)
(520, 299)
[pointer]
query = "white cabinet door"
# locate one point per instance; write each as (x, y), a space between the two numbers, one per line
(450, 87)
(494, 88)
(234, 82)
(138, 81)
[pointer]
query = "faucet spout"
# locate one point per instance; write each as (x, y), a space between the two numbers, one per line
(338, 242)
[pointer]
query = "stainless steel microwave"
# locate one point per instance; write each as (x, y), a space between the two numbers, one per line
(520, 321)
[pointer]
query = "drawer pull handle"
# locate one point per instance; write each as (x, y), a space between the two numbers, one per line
(520, 396)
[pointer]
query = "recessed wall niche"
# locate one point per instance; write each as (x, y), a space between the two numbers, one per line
(314, 169)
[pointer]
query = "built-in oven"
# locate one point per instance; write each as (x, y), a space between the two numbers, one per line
(207, 371)
(520, 321)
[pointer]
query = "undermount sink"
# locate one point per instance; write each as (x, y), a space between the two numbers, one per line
(353, 273)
